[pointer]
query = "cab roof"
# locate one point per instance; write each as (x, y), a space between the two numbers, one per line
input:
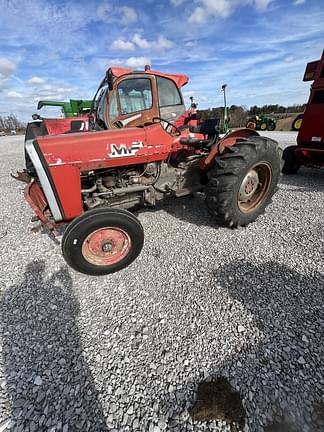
(179, 79)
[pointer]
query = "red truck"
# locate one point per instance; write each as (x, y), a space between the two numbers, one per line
(309, 150)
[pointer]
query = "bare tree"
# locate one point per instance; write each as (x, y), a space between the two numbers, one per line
(11, 122)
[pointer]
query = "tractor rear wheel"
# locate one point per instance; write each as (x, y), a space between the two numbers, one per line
(102, 241)
(271, 125)
(291, 163)
(296, 124)
(243, 181)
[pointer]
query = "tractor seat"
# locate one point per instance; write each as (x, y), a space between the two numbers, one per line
(207, 127)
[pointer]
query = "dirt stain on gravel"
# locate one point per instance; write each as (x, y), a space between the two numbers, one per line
(279, 427)
(217, 400)
(319, 410)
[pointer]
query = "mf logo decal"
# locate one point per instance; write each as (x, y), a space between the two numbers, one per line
(121, 150)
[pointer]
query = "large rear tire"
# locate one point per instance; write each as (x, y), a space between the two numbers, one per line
(243, 181)
(271, 125)
(291, 163)
(102, 241)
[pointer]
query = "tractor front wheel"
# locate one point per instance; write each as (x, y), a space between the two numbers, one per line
(251, 125)
(243, 181)
(291, 163)
(102, 241)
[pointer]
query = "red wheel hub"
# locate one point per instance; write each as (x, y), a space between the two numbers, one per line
(106, 246)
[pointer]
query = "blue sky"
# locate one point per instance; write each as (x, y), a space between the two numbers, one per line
(61, 49)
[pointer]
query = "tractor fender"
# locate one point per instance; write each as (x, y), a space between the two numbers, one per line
(227, 141)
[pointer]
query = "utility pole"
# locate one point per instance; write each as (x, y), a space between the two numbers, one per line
(225, 119)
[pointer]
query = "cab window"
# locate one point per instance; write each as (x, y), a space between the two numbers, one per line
(135, 94)
(113, 110)
(168, 92)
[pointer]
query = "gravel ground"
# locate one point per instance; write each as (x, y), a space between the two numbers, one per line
(126, 352)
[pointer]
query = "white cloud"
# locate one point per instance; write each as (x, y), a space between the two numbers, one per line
(163, 43)
(191, 43)
(141, 42)
(125, 14)
(122, 45)
(262, 4)
(136, 62)
(198, 16)
(299, 2)
(222, 8)
(160, 44)
(14, 95)
(129, 15)
(208, 8)
(7, 67)
(131, 62)
(36, 80)
(177, 3)
(54, 90)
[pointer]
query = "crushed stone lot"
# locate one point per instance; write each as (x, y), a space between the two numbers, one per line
(127, 352)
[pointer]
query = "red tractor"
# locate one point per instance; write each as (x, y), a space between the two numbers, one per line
(309, 150)
(137, 146)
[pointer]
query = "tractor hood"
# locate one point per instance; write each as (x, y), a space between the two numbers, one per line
(103, 149)
(59, 161)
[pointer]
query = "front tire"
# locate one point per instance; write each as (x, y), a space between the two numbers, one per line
(251, 125)
(102, 241)
(291, 163)
(243, 181)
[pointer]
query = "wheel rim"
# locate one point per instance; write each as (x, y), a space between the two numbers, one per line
(263, 126)
(298, 123)
(251, 125)
(254, 187)
(106, 246)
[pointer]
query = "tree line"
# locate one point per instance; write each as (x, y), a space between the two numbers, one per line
(239, 115)
(276, 109)
(11, 122)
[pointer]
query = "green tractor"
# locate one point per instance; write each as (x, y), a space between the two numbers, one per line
(260, 122)
(296, 124)
(73, 108)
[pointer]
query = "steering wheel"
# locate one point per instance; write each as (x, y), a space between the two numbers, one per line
(169, 125)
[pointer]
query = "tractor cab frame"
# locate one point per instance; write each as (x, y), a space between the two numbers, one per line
(135, 98)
